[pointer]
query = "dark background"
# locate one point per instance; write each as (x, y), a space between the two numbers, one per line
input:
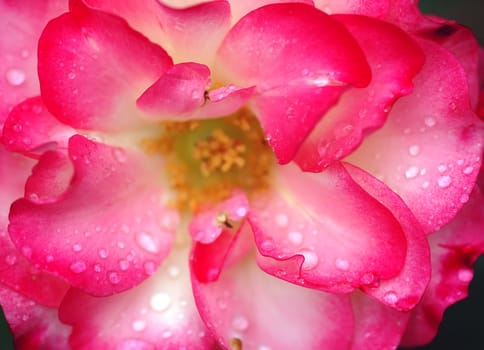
(463, 324)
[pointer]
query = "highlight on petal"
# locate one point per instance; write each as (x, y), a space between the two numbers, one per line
(247, 308)
(108, 231)
(454, 249)
(375, 9)
(300, 61)
(33, 326)
(324, 231)
(241, 8)
(429, 150)
(394, 59)
(73, 50)
(31, 129)
(160, 313)
(21, 24)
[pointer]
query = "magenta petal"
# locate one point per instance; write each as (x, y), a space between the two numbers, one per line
(160, 313)
(324, 231)
(31, 129)
(263, 312)
(394, 59)
(21, 24)
(407, 153)
(109, 230)
(74, 48)
(454, 249)
(33, 326)
(299, 59)
(405, 290)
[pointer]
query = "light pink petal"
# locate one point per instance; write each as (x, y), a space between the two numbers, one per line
(21, 24)
(16, 271)
(208, 224)
(300, 60)
(394, 59)
(182, 94)
(248, 306)
(405, 290)
(377, 8)
(31, 129)
(240, 8)
(160, 313)
(454, 248)
(108, 231)
(33, 326)
(376, 325)
(429, 151)
(324, 231)
(92, 67)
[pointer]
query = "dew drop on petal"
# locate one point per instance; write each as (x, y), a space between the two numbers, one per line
(390, 298)
(147, 242)
(465, 275)
(71, 75)
(103, 253)
(120, 155)
(123, 265)
(411, 172)
(15, 76)
(468, 170)
(414, 150)
(342, 264)
(78, 266)
(173, 271)
(160, 301)
(240, 323)
(149, 267)
(430, 121)
(166, 334)
(281, 220)
(138, 325)
(77, 247)
(26, 251)
(444, 181)
(114, 277)
(10, 259)
(295, 237)
(310, 259)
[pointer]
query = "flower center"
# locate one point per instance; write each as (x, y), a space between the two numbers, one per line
(206, 160)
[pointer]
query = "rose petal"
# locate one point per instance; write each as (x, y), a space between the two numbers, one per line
(395, 59)
(299, 59)
(159, 313)
(454, 249)
(109, 230)
(324, 231)
(240, 8)
(31, 129)
(33, 326)
(21, 24)
(74, 48)
(376, 9)
(408, 152)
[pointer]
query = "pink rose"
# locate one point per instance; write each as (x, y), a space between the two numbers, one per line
(237, 174)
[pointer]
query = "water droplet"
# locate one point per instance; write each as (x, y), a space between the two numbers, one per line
(452, 106)
(10, 259)
(138, 325)
(97, 268)
(120, 155)
(281, 220)
(295, 237)
(123, 265)
(411, 172)
(78, 266)
(15, 76)
(150, 267)
(114, 277)
(441, 168)
(367, 278)
(310, 259)
(121, 245)
(160, 301)
(147, 242)
(240, 323)
(26, 251)
(444, 181)
(464, 198)
(49, 258)
(173, 271)
(430, 121)
(77, 247)
(103, 253)
(468, 170)
(24, 53)
(241, 212)
(425, 184)
(414, 150)
(342, 264)
(166, 334)
(465, 275)
(71, 75)
(390, 298)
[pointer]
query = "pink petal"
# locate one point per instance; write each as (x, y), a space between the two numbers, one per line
(16, 271)
(300, 59)
(182, 94)
(241, 8)
(34, 326)
(75, 48)
(454, 248)
(405, 290)
(31, 129)
(395, 59)
(21, 24)
(324, 231)
(263, 312)
(429, 150)
(108, 231)
(160, 313)
(378, 8)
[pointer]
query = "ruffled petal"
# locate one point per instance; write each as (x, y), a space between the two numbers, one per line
(31, 129)
(21, 24)
(300, 60)
(324, 231)
(394, 59)
(405, 290)
(33, 326)
(454, 248)
(376, 9)
(160, 313)
(429, 151)
(247, 308)
(108, 231)
(16, 271)
(74, 48)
